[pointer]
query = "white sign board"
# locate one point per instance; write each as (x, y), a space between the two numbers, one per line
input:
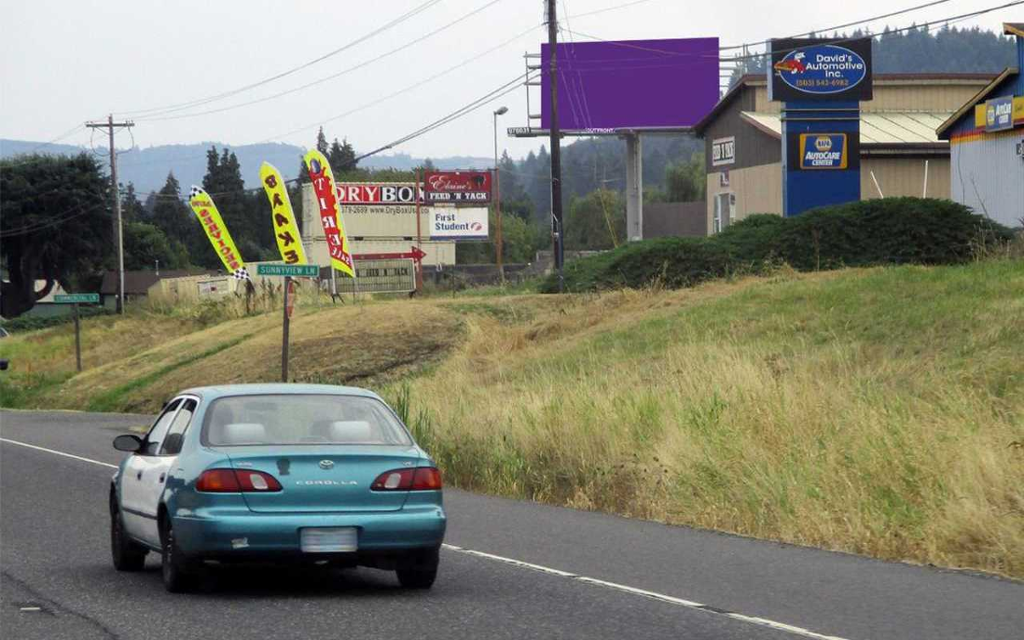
(464, 223)
(723, 151)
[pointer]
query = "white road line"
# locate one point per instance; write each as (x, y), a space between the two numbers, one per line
(57, 453)
(764, 622)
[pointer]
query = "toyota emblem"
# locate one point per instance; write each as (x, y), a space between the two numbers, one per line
(326, 464)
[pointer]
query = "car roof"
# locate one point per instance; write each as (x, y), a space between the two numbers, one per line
(279, 388)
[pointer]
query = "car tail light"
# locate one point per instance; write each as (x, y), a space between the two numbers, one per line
(236, 481)
(419, 479)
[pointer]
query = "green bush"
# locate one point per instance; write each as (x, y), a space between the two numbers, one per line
(869, 232)
(34, 323)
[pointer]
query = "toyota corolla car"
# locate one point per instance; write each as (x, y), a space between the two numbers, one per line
(282, 473)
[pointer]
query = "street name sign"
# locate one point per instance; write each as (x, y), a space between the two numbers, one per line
(294, 270)
(77, 298)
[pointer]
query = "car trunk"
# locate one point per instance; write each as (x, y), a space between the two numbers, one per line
(323, 478)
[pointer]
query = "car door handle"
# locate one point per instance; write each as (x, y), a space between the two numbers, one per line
(138, 476)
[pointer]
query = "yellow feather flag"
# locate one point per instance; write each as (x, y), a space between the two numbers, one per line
(217, 232)
(330, 215)
(289, 241)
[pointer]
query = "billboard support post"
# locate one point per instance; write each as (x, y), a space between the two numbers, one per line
(555, 143)
(419, 236)
(284, 331)
(634, 187)
(78, 341)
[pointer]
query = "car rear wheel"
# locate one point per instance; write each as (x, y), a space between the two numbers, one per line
(419, 571)
(127, 555)
(178, 574)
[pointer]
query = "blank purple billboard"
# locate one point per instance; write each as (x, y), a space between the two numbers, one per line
(631, 84)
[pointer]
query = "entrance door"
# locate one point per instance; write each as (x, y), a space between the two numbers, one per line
(723, 211)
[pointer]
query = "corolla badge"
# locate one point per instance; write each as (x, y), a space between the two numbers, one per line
(326, 464)
(326, 483)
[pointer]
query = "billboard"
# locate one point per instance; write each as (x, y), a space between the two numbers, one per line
(815, 69)
(631, 84)
(381, 276)
(458, 223)
(383, 193)
(457, 187)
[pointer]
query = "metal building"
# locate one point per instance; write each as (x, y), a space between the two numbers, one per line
(986, 137)
(901, 155)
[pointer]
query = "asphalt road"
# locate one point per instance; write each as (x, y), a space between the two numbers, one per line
(589, 575)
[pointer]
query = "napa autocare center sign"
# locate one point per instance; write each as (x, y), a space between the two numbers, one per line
(821, 84)
(823, 151)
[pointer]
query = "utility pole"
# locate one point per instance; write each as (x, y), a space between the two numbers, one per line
(556, 147)
(497, 196)
(111, 126)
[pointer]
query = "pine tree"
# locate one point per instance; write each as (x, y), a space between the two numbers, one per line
(321, 142)
(179, 225)
(334, 156)
(131, 208)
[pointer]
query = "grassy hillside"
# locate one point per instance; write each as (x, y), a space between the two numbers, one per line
(133, 363)
(879, 411)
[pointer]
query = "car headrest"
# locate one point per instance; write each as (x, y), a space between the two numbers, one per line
(243, 433)
(351, 431)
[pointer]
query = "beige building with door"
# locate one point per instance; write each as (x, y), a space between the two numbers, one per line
(901, 155)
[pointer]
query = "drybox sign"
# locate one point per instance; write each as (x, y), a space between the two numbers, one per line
(813, 69)
(824, 151)
(462, 223)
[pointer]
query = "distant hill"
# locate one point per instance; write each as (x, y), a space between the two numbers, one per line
(148, 168)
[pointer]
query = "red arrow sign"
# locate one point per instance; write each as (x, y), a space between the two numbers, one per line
(416, 254)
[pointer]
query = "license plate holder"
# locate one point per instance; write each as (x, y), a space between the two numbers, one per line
(329, 539)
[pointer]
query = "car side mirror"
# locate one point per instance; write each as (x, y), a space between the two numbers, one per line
(129, 443)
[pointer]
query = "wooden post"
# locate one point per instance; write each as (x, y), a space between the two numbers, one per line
(284, 332)
(78, 341)
(419, 236)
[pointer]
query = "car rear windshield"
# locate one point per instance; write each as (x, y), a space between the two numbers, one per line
(301, 419)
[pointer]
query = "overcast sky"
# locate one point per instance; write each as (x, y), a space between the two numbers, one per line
(66, 61)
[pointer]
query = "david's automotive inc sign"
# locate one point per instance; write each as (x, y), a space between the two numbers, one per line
(806, 69)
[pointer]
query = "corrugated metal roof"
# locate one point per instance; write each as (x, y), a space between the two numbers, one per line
(895, 127)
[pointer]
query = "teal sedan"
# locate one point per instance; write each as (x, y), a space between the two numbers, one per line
(283, 473)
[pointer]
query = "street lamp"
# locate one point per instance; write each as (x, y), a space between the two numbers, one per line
(497, 195)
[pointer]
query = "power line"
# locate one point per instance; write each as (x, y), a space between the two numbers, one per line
(605, 10)
(491, 96)
(408, 88)
(49, 223)
(193, 103)
(333, 76)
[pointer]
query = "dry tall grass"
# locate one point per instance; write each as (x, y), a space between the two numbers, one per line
(877, 411)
